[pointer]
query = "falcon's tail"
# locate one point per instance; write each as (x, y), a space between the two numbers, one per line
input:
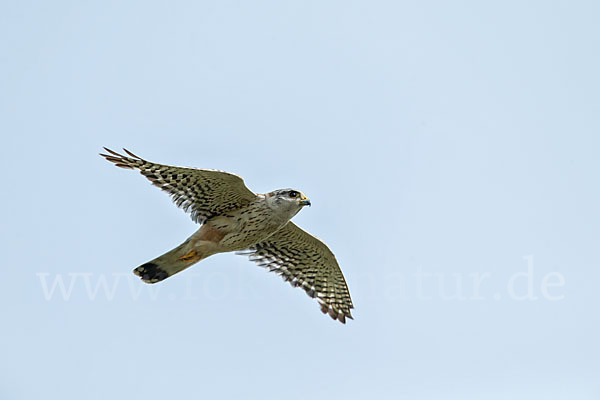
(170, 263)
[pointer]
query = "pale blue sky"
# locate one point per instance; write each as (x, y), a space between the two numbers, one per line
(450, 150)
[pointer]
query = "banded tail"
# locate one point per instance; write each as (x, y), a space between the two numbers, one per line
(170, 263)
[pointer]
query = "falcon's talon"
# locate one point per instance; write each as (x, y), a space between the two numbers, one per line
(233, 218)
(190, 257)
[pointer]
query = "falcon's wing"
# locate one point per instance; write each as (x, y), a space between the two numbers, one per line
(201, 192)
(305, 261)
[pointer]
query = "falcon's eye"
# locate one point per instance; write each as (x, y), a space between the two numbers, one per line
(293, 194)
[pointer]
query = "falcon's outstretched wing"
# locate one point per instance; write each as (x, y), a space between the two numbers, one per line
(305, 261)
(201, 192)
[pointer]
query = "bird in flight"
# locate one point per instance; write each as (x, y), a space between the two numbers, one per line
(233, 218)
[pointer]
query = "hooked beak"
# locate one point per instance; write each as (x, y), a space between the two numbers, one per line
(304, 201)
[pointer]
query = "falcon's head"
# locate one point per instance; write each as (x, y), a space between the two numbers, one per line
(287, 200)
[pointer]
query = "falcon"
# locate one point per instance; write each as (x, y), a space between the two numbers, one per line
(233, 218)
